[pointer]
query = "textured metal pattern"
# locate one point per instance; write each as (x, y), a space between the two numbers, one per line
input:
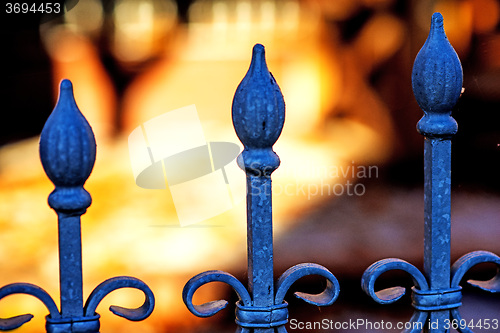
(67, 152)
(258, 116)
(436, 295)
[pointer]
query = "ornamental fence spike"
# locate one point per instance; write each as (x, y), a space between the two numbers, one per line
(67, 152)
(258, 114)
(436, 295)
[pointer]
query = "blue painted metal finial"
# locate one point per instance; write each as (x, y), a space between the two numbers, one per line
(258, 106)
(436, 295)
(67, 152)
(258, 115)
(437, 81)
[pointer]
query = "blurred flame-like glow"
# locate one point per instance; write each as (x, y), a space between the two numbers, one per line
(140, 28)
(134, 23)
(335, 119)
(486, 14)
(74, 56)
(86, 18)
(459, 22)
(132, 231)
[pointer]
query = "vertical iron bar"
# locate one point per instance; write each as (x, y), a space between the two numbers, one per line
(258, 114)
(67, 152)
(70, 265)
(258, 118)
(260, 242)
(437, 84)
(437, 171)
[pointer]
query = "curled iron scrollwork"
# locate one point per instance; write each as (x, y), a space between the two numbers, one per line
(211, 308)
(54, 318)
(462, 266)
(120, 282)
(466, 262)
(426, 300)
(327, 297)
(7, 324)
(391, 295)
(249, 316)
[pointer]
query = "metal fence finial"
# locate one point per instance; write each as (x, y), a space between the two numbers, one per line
(67, 152)
(258, 114)
(258, 109)
(437, 82)
(436, 295)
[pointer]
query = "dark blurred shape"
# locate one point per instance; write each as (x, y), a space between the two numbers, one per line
(182, 9)
(26, 80)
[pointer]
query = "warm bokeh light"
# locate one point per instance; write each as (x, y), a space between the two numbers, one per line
(86, 18)
(74, 56)
(459, 22)
(336, 119)
(140, 28)
(486, 14)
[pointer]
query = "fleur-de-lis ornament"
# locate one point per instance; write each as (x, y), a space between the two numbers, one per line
(258, 118)
(67, 152)
(436, 295)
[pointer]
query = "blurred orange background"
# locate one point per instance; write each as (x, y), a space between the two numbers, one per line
(344, 69)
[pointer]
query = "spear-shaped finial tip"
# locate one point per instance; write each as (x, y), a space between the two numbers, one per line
(437, 28)
(258, 113)
(67, 152)
(258, 105)
(66, 84)
(259, 53)
(258, 48)
(437, 20)
(437, 81)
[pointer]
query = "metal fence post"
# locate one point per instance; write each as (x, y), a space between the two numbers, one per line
(258, 115)
(437, 83)
(67, 152)
(436, 296)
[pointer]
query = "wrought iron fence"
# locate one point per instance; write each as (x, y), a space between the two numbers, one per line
(67, 152)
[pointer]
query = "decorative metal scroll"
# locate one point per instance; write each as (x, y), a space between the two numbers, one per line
(436, 295)
(67, 152)
(258, 114)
